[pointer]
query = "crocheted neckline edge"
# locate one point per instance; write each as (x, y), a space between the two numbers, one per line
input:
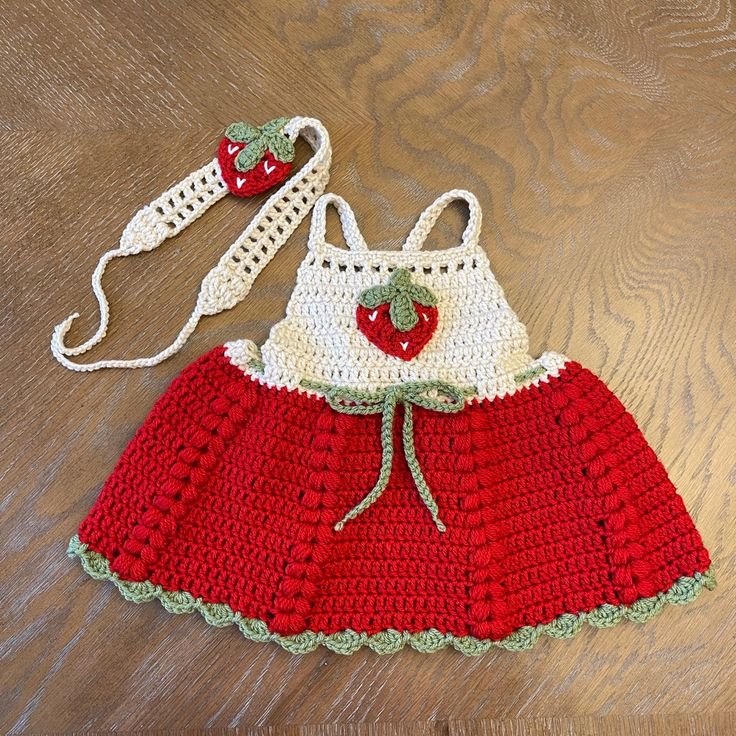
(685, 590)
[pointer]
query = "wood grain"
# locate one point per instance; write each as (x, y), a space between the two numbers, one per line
(601, 140)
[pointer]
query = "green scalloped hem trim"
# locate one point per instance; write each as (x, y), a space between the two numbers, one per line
(685, 590)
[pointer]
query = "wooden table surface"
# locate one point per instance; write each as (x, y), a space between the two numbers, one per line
(600, 139)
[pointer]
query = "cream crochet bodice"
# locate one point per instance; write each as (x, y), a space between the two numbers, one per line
(479, 342)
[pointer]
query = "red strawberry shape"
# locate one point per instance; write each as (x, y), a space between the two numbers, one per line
(400, 317)
(252, 159)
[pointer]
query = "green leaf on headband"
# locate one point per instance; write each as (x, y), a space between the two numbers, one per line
(250, 155)
(274, 126)
(242, 132)
(281, 147)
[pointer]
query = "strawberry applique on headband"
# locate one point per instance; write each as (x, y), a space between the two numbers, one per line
(253, 159)
(400, 317)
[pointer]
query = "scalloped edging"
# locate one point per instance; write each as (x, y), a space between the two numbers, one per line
(684, 591)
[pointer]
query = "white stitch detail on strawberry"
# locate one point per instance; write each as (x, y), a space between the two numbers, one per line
(400, 317)
(245, 147)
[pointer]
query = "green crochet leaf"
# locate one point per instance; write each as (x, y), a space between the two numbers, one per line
(403, 313)
(403, 295)
(251, 155)
(376, 295)
(422, 295)
(242, 132)
(401, 278)
(281, 147)
(274, 126)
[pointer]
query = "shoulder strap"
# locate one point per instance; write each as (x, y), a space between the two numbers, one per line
(429, 217)
(231, 279)
(317, 230)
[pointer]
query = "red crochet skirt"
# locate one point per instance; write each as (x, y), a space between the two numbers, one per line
(557, 513)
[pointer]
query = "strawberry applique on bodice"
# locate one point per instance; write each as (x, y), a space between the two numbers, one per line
(399, 317)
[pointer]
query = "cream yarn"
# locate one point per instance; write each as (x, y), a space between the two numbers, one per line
(479, 340)
(231, 279)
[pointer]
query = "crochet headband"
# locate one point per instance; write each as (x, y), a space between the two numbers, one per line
(250, 160)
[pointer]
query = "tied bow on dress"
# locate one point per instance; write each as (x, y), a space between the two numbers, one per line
(433, 395)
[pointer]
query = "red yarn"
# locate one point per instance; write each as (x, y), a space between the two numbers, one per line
(376, 325)
(553, 502)
(267, 173)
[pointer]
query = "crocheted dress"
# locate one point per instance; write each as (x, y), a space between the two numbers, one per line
(393, 467)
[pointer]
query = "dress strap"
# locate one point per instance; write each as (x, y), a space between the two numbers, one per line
(231, 279)
(429, 217)
(348, 223)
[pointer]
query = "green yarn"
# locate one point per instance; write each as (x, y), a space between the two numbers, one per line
(377, 295)
(530, 373)
(646, 608)
(564, 626)
(402, 294)
(433, 395)
(242, 132)
(268, 137)
(524, 638)
(388, 641)
(257, 366)
(254, 629)
(403, 313)
(251, 155)
(605, 616)
(178, 602)
(217, 614)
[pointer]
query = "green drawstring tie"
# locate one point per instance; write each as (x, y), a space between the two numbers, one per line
(434, 395)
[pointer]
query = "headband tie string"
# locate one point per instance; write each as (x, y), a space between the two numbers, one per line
(243, 174)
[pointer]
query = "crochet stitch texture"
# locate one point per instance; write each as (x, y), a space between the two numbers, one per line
(322, 491)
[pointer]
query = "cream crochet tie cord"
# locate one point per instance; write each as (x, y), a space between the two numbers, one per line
(231, 279)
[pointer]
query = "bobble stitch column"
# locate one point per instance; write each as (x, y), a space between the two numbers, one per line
(488, 610)
(312, 534)
(188, 475)
(619, 522)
